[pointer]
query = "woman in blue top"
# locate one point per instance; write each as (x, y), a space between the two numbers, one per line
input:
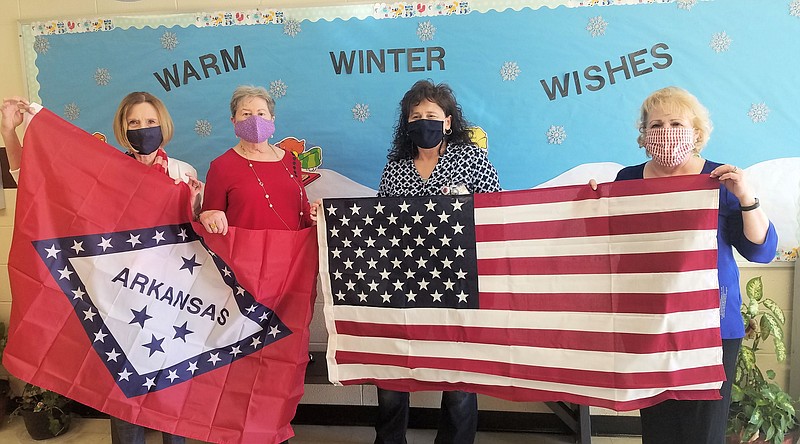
(674, 127)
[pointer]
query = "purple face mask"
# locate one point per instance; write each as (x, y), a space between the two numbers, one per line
(254, 129)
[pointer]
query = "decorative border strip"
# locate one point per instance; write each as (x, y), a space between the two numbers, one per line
(420, 9)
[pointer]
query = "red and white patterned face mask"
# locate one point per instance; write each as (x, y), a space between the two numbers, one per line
(669, 147)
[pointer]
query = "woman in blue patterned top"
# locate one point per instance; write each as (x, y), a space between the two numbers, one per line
(674, 127)
(432, 154)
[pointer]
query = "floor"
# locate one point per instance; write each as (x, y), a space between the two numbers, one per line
(96, 431)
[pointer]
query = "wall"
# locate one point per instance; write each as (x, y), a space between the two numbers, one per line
(778, 279)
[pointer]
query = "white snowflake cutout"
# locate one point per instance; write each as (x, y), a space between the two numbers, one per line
(556, 135)
(360, 112)
(72, 111)
(102, 77)
(291, 27)
(202, 127)
(794, 8)
(720, 42)
(169, 40)
(41, 45)
(277, 89)
(687, 4)
(426, 31)
(509, 71)
(597, 26)
(758, 112)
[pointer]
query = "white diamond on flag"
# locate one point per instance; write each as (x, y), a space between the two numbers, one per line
(163, 304)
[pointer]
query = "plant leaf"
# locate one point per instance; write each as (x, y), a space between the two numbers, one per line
(780, 350)
(775, 309)
(755, 288)
(769, 322)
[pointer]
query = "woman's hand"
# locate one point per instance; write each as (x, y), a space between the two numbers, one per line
(734, 180)
(214, 221)
(13, 112)
(315, 206)
(593, 184)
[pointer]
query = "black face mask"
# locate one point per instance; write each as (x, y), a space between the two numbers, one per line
(145, 140)
(426, 133)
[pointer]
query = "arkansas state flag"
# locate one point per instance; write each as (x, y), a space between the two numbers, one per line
(122, 303)
(607, 298)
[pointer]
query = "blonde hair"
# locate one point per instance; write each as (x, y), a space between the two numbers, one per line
(244, 91)
(120, 124)
(677, 99)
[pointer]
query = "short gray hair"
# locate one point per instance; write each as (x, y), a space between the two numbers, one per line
(244, 91)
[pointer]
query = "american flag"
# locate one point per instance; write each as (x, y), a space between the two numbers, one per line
(607, 298)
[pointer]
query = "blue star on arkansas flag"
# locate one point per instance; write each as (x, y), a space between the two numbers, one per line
(159, 307)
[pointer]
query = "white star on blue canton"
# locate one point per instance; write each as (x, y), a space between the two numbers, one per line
(411, 296)
(65, 273)
(462, 297)
(457, 205)
(445, 240)
(350, 285)
(331, 210)
(423, 284)
(355, 208)
(444, 217)
(357, 232)
(446, 263)
(149, 383)
(392, 219)
(431, 205)
(77, 246)
(256, 342)
(337, 274)
(339, 295)
(417, 218)
(383, 252)
(226, 272)
(379, 208)
(133, 240)
(214, 358)
(437, 297)
(264, 316)
(431, 229)
(459, 251)
(448, 284)
(274, 331)
(235, 350)
(89, 315)
(344, 220)
(406, 230)
(124, 374)
(461, 274)
(334, 232)
(372, 263)
(404, 207)
(173, 375)
(78, 294)
(370, 242)
(251, 309)
(433, 251)
(113, 355)
(373, 286)
(386, 297)
(192, 367)
(362, 297)
(435, 273)
(183, 234)
(52, 251)
(381, 231)
(359, 252)
(348, 264)
(158, 237)
(367, 220)
(105, 243)
(458, 228)
(239, 291)
(100, 336)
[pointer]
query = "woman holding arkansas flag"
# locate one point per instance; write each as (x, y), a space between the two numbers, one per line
(143, 126)
(674, 127)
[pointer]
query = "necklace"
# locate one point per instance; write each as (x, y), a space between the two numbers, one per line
(292, 176)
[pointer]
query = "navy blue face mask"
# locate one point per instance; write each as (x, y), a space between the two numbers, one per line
(426, 133)
(145, 140)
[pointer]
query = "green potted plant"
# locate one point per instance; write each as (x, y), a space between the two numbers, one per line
(761, 411)
(43, 412)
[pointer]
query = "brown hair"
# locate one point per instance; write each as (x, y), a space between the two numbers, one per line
(120, 124)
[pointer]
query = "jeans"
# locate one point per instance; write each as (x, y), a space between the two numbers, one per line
(123, 432)
(458, 418)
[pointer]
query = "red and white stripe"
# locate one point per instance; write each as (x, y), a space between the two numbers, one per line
(605, 298)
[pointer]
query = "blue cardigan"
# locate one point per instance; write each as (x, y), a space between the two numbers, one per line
(730, 233)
